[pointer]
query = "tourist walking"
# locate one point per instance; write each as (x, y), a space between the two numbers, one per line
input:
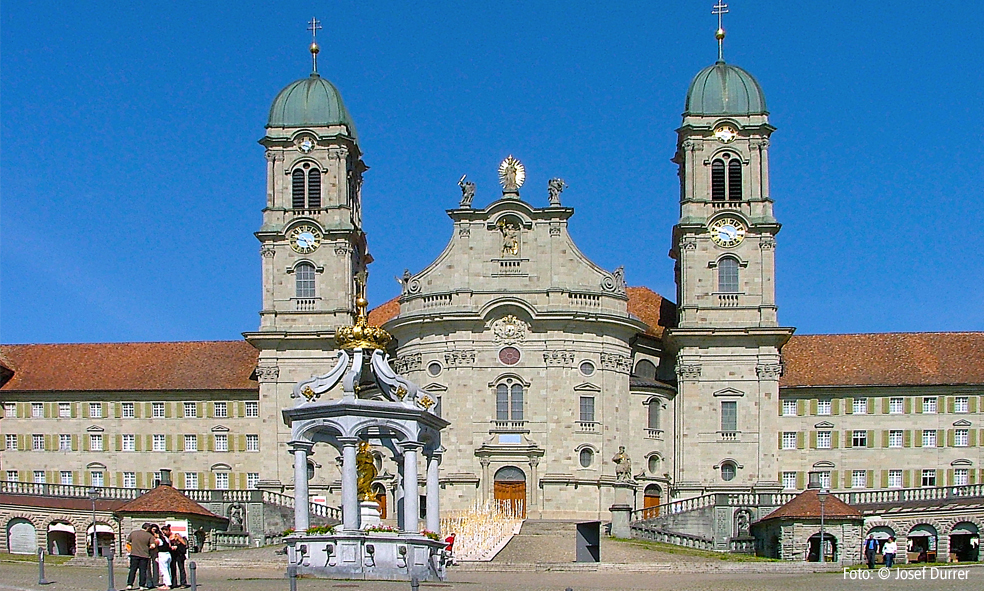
(870, 549)
(179, 552)
(164, 558)
(139, 544)
(889, 550)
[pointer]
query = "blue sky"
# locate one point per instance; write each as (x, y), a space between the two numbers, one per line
(131, 181)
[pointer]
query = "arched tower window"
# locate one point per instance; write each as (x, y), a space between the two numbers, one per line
(305, 187)
(726, 178)
(653, 418)
(304, 280)
(509, 401)
(728, 275)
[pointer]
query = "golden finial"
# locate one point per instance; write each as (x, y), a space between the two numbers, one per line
(720, 9)
(313, 26)
(361, 335)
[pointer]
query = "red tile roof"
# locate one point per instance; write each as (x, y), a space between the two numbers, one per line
(806, 505)
(896, 359)
(653, 309)
(166, 499)
(196, 365)
(387, 311)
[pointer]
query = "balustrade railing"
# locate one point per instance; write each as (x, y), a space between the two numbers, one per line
(675, 538)
(654, 434)
(675, 507)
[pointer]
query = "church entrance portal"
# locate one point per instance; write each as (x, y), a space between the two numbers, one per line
(650, 501)
(510, 490)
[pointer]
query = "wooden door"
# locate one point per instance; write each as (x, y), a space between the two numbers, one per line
(650, 505)
(511, 496)
(381, 499)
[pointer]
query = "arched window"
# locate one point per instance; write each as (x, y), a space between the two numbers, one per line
(305, 187)
(509, 401)
(726, 178)
(645, 369)
(586, 457)
(728, 275)
(653, 414)
(304, 280)
(728, 471)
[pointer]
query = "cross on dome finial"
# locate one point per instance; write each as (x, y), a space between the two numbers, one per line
(313, 25)
(720, 9)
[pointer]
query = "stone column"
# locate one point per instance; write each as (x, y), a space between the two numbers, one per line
(350, 484)
(411, 498)
(534, 503)
(301, 451)
(485, 479)
(433, 492)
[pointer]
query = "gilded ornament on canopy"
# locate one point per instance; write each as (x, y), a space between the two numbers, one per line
(362, 335)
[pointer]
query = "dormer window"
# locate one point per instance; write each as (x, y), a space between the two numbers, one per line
(306, 187)
(726, 178)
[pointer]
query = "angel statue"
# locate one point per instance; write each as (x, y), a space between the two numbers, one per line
(365, 467)
(467, 192)
(554, 188)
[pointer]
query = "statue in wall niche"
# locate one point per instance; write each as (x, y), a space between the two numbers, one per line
(365, 467)
(554, 188)
(743, 520)
(237, 517)
(467, 191)
(623, 465)
(510, 237)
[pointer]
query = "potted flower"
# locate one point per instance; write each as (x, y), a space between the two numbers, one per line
(321, 530)
(431, 535)
(382, 528)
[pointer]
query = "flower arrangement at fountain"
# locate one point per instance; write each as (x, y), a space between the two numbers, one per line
(481, 531)
(433, 535)
(321, 529)
(382, 527)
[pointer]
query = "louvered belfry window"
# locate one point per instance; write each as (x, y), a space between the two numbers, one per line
(297, 189)
(314, 188)
(734, 180)
(726, 178)
(718, 180)
(305, 187)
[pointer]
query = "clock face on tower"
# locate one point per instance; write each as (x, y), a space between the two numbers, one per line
(304, 238)
(727, 232)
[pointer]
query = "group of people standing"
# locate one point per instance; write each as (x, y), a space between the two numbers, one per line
(159, 555)
(888, 550)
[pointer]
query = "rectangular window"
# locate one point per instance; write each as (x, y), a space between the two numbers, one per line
(929, 438)
(253, 409)
(64, 410)
(789, 440)
(221, 410)
(12, 476)
(896, 405)
(157, 478)
(929, 405)
(191, 443)
(789, 480)
(37, 442)
(95, 442)
(97, 478)
(823, 439)
(191, 480)
(961, 437)
(789, 409)
(10, 441)
(859, 479)
(221, 442)
(823, 407)
(10, 410)
(128, 411)
(37, 410)
(961, 477)
(129, 442)
(64, 443)
(859, 439)
(895, 478)
(929, 477)
(190, 410)
(895, 438)
(729, 415)
(95, 410)
(160, 443)
(129, 480)
(961, 404)
(252, 479)
(587, 409)
(39, 477)
(222, 480)
(66, 478)
(860, 406)
(825, 479)
(252, 443)
(157, 410)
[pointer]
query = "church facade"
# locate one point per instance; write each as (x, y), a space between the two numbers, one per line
(561, 384)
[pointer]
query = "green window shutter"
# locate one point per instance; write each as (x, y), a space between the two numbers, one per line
(848, 406)
(813, 439)
(119, 443)
(76, 477)
(941, 437)
(209, 444)
(201, 443)
(241, 410)
(20, 410)
(148, 409)
(169, 443)
(885, 405)
(119, 479)
(242, 481)
(907, 438)
(137, 410)
(833, 479)
(870, 483)
(949, 477)
(85, 443)
(801, 407)
(834, 443)
(949, 437)
(939, 477)
(202, 480)
(884, 479)
(835, 406)
(972, 438)
(85, 411)
(949, 404)
(906, 478)
(908, 405)
(140, 480)
(919, 404)
(47, 443)
(138, 442)
(75, 409)
(871, 438)
(242, 444)
(201, 409)
(75, 443)
(813, 406)
(149, 446)
(800, 480)
(871, 406)
(848, 439)
(118, 409)
(780, 440)
(210, 412)
(800, 440)
(918, 437)
(4, 444)
(211, 480)
(972, 404)
(884, 439)
(168, 410)
(105, 409)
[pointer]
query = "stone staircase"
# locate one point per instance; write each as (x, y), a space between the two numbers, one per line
(540, 541)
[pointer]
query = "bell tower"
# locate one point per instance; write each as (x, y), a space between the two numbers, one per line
(728, 337)
(311, 243)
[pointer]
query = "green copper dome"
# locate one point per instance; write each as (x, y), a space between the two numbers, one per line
(723, 89)
(310, 102)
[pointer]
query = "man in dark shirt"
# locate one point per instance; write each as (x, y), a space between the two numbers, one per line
(140, 542)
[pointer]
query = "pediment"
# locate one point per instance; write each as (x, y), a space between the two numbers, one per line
(435, 387)
(220, 429)
(961, 423)
(824, 425)
(95, 466)
(961, 462)
(94, 429)
(823, 464)
(220, 467)
(586, 387)
(729, 392)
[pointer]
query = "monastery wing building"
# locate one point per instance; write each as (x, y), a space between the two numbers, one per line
(562, 385)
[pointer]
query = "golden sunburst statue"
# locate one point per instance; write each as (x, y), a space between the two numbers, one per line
(512, 174)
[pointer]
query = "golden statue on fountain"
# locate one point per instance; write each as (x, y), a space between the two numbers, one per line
(365, 466)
